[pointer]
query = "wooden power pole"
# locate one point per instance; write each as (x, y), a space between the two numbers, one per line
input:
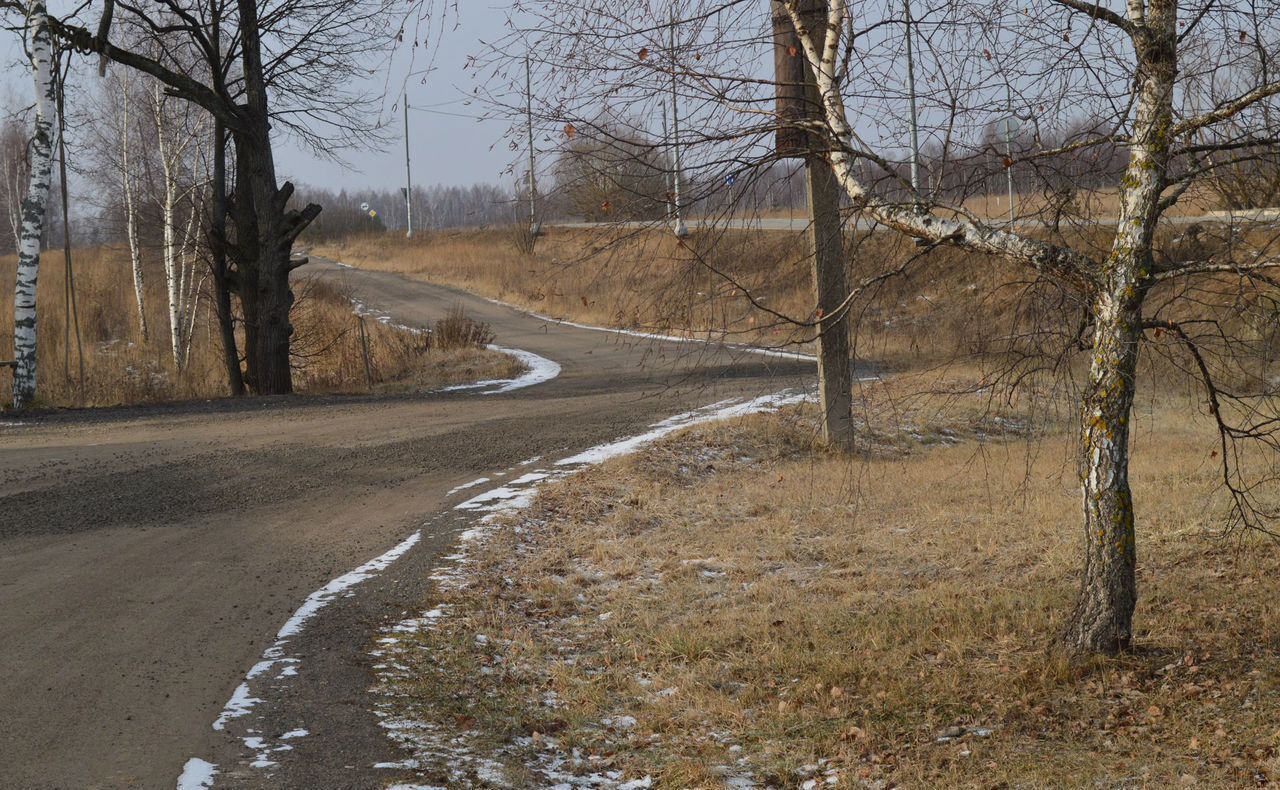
(798, 99)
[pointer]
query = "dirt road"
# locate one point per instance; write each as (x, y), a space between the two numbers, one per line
(148, 556)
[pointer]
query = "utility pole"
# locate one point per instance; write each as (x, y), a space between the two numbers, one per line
(666, 161)
(911, 96)
(798, 100)
(681, 229)
(534, 227)
(408, 175)
(1008, 153)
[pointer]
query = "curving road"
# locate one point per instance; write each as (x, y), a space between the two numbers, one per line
(149, 555)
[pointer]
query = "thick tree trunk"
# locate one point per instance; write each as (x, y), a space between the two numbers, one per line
(34, 207)
(265, 227)
(221, 276)
(264, 240)
(1103, 617)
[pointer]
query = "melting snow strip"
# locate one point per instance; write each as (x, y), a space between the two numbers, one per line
(552, 766)
(242, 700)
(538, 369)
(750, 349)
(477, 482)
(519, 492)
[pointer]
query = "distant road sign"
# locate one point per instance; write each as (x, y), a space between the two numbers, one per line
(364, 206)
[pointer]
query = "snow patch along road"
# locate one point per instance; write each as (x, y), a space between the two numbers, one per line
(519, 492)
(198, 773)
(711, 341)
(537, 370)
(553, 768)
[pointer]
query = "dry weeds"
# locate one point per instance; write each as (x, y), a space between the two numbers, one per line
(121, 367)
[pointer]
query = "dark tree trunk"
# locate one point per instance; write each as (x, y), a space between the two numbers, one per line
(221, 279)
(265, 227)
(264, 248)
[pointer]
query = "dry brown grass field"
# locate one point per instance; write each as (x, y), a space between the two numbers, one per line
(120, 367)
(763, 608)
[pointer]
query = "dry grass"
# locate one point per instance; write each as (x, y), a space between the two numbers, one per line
(1098, 203)
(763, 608)
(121, 367)
(647, 280)
(948, 305)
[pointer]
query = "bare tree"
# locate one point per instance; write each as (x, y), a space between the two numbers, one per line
(178, 132)
(15, 172)
(1171, 92)
(606, 175)
(285, 64)
(40, 51)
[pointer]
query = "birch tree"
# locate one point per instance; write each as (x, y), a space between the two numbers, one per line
(1174, 89)
(34, 205)
(175, 137)
(15, 172)
(288, 67)
(124, 130)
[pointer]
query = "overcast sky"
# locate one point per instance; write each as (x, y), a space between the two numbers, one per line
(445, 148)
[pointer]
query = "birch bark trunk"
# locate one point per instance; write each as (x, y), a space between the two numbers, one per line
(1103, 618)
(1102, 621)
(171, 165)
(34, 207)
(131, 215)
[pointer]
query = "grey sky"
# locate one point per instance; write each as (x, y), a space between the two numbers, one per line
(445, 148)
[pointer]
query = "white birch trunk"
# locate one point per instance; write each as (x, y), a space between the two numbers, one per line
(131, 215)
(170, 160)
(1103, 617)
(33, 207)
(1102, 621)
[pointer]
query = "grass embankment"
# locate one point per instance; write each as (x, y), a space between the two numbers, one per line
(946, 305)
(121, 366)
(738, 602)
(649, 281)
